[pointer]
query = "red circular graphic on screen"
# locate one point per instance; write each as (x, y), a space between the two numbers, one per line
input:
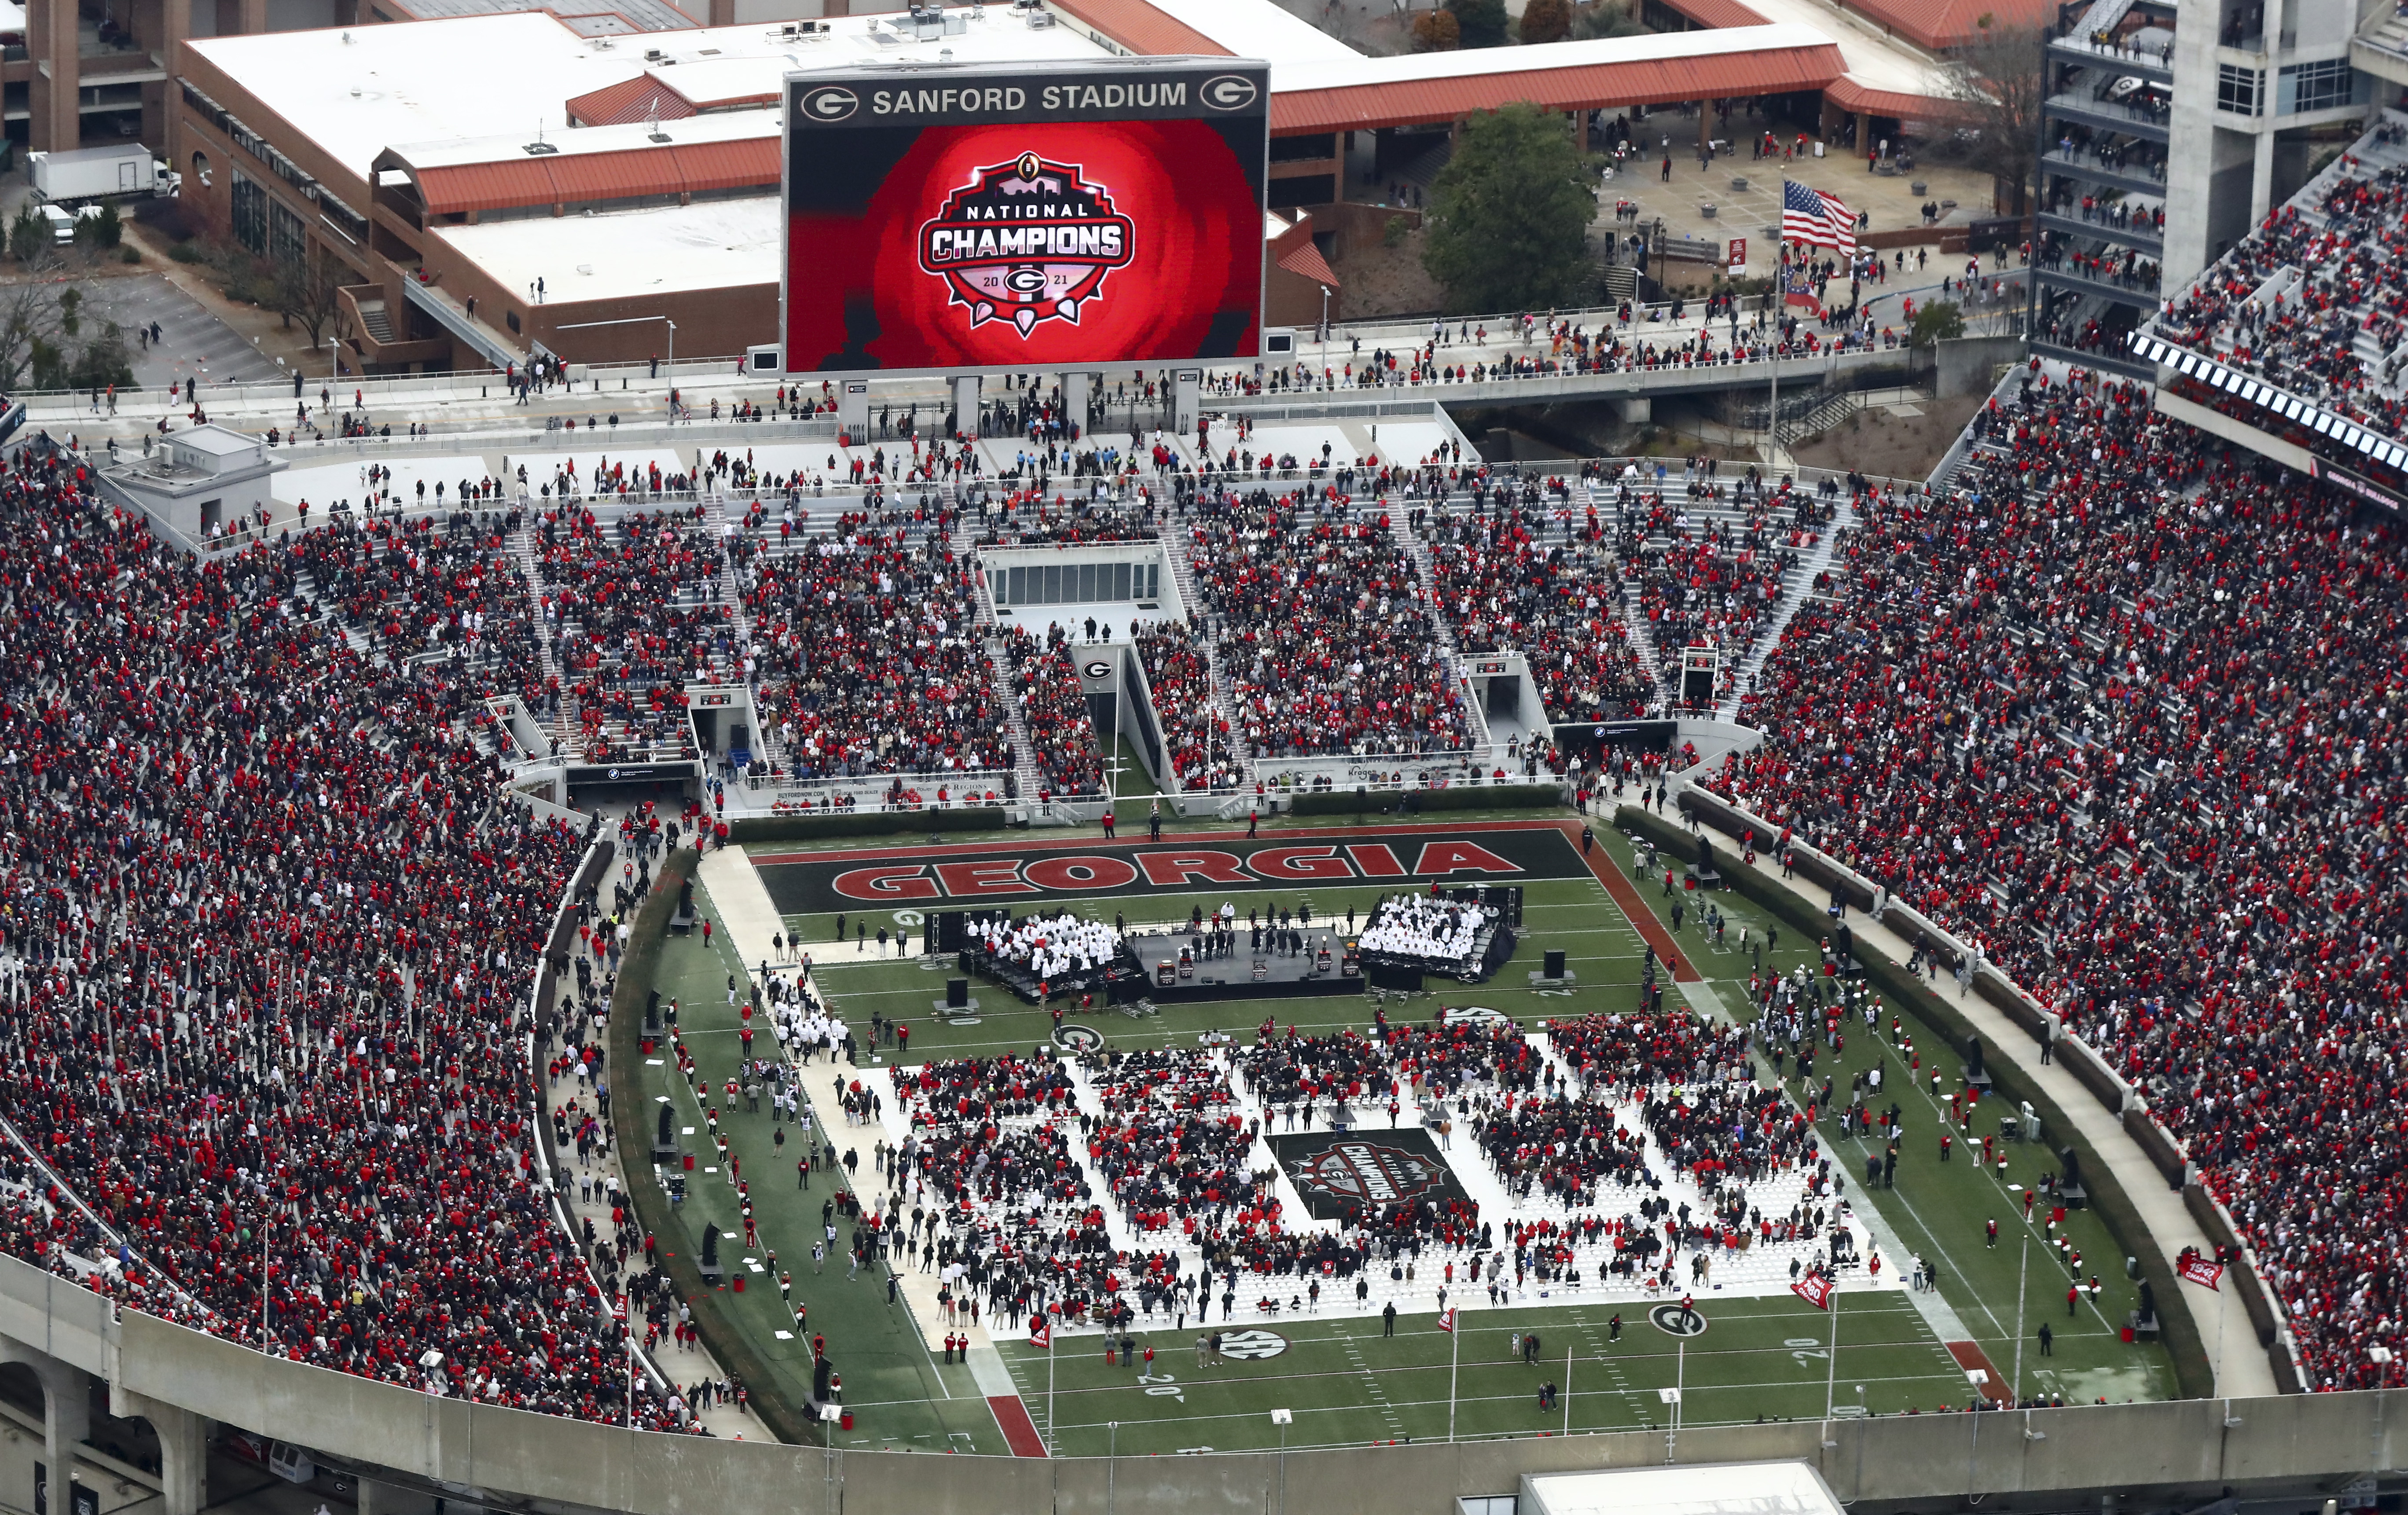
(1192, 245)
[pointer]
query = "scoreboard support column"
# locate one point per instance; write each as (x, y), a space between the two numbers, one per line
(1186, 399)
(1077, 393)
(965, 405)
(852, 407)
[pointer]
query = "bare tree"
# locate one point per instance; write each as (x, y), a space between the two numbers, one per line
(307, 289)
(29, 313)
(2001, 82)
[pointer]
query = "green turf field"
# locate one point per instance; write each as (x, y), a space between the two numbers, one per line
(1346, 1383)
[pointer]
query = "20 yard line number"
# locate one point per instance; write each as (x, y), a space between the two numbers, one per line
(1163, 1386)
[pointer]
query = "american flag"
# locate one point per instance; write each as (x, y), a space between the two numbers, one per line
(1811, 216)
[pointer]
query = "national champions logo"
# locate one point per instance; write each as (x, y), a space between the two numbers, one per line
(1025, 241)
(1365, 1173)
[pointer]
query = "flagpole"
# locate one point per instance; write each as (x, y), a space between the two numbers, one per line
(1568, 1391)
(1054, 1447)
(1831, 1368)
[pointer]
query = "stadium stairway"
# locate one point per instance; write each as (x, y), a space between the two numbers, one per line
(740, 613)
(1795, 590)
(564, 729)
(1183, 573)
(1426, 576)
(1642, 637)
(1015, 728)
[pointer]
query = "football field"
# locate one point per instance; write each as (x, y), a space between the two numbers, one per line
(1756, 1350)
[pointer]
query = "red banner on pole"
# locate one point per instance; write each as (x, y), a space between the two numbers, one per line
(1815, 1289)
(2200, 1271)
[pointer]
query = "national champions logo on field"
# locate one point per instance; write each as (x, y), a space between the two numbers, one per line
(1027, 241)
(1365, 1173)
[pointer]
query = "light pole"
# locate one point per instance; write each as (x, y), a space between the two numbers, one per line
(1282, 1418)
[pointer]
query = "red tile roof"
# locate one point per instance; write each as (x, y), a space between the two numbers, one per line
(1595, 86)
(1940, 24)
(1848, 95)
(628, 101)
(689, 168)
(1307, 262)
(1717, 13)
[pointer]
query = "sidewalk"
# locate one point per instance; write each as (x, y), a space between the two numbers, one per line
(2241, 1366)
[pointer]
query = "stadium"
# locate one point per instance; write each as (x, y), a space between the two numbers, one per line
(1034, 885)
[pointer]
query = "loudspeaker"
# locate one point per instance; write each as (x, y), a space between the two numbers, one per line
(1554, 966)
(957, 993)
(1506, 900)
(948, 931)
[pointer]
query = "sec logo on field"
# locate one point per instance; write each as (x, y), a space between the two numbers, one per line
(1250, 1345)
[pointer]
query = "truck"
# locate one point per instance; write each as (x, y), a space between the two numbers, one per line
(89, 174)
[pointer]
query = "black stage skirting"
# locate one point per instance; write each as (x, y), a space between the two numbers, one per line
(1248, 973)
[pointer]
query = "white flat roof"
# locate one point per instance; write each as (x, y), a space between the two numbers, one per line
(1725, 1489)
(665, 249)
(509, 75)
(1357, 70)
(1256, 29)
(1875, 58)
(417, 81)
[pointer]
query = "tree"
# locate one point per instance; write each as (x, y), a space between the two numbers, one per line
(1509, 217)
(1939, 322)
(29, 235)
(1482, 21)
(2000, 80)
(1435, 31)
(1606, 18)
(307, 289)
(1546, 20)
(100, 232)
(28, 313)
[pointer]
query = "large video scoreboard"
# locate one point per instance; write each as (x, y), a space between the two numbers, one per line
(945, 219)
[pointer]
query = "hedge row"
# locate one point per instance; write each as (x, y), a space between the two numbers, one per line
(727, 1340)
(2192, 1372)
(1453, 797)
(799, 828)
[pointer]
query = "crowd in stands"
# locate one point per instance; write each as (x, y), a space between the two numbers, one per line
(2123, 711)
(415, 589)
(870, 658)
(1026, 518)
(255, 874)
(1503, 585)
(1322, 632)
(634, 602)
(1195, 732)
(1706, 579)
(1053, 708)
(2295, 300)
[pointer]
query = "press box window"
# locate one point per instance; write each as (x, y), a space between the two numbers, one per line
(2236, 88)
(2317, 86)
